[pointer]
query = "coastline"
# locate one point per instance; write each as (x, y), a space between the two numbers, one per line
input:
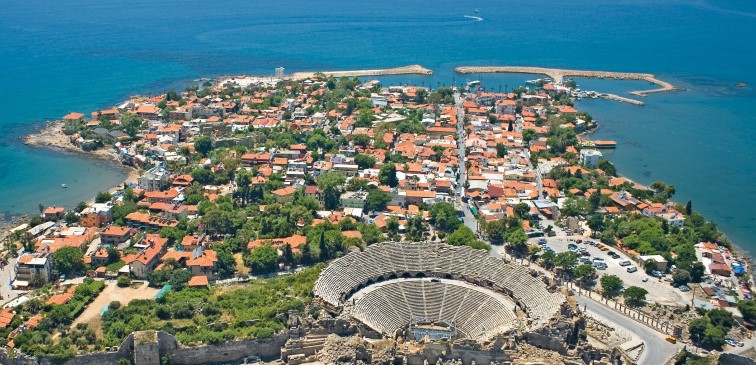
(297, 76)
(51, 136)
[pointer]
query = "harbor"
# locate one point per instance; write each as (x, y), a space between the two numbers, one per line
(558, 75)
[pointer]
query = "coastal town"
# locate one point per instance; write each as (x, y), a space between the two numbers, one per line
(246, 190)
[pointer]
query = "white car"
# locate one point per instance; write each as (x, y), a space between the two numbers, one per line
(645, 279)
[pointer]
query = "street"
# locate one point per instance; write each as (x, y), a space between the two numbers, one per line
(657, 349)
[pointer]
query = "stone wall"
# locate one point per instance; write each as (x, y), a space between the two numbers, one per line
(266, 349)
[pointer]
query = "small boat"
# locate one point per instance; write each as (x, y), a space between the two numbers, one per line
(63, 186)
(477, 11)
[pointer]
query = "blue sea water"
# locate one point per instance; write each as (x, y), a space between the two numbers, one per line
(82, 55)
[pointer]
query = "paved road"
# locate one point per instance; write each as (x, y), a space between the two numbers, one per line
(657, 350)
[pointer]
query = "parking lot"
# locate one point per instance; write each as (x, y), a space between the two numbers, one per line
(658, 290)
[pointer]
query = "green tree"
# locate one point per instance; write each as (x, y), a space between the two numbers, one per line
(607, 167)
(748, 309)
(721, 318)
(131, 123)
(362, 140)
(611, 285)
(529, 135)
(635, 295)
(102, 197)
(364, 161)
(713, 338)
(464, 236)
(377, 200)
(263, 260)
(697, 328)
(501, 150)
(203, 145)
(371, 234)
(444, 217)
(387, 175)
(330, 184)
(521, 210)
(566, 261)
(517, 240)
(585, 273)
(574, 207)
(68, 260)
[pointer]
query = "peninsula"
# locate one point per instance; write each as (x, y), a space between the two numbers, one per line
(330, 220)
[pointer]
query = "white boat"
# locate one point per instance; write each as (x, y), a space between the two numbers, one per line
(63, 186)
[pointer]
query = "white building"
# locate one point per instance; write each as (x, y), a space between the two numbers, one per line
(155, 179)
(589, 157)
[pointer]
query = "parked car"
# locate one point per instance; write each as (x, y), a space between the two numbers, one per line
(657, 273)
(684, 288)
(731, 342)
(645, 278)
(634, 269)
(625, 263)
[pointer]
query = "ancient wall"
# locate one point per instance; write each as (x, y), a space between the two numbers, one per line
(266, 349)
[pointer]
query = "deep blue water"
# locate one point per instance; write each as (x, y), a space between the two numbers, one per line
(81, 55)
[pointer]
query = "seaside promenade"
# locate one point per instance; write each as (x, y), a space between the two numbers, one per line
(558, 75)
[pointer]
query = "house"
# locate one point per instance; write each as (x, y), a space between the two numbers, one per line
(115, 235)
(661, 262)
(506, 107)
(353, 199)
(198, 282)
(284, 195)
(590, 157)
(31, 267)
(624, 200)
(97, 215)
(54, 212)
(192, 242)
(720, 269)
(155, 179)
(295, 242)
(203, 263)
(151, 249)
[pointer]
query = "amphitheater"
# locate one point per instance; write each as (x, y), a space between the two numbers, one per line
(388, 285)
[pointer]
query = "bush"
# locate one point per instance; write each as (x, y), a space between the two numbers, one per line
(114, 305)
(123, 281)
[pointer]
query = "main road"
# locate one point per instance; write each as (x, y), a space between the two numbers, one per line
(656, 349)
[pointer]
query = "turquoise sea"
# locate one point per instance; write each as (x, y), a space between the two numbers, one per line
(81, 55)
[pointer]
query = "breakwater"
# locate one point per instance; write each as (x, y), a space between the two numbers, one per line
(404, 70)
(558, 75)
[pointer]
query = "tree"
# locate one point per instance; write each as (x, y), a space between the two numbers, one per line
(364, 161)
(68, 260)
(635, 295)
(611, 285)
(131, 123)
(721, 318)
(501, 150)
(596, 222)
(102, 197)
(387, 175)
(681, 276)
(566, 260)
(463, 236)
(415, 228)
(607, 167)
(361, 139)
(517, 240)
(330, 184)
(123, 281)
(713, 338)
(263, 260)
(529, 135)
(371, 234)
(574, 207)
(748, 309)
(697, 328)
(585, 273)
(376, 200)
(203, 145)
(522, 210)
(444, 217)
(689, 208)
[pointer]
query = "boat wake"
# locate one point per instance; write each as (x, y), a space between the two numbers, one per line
(473, 17)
